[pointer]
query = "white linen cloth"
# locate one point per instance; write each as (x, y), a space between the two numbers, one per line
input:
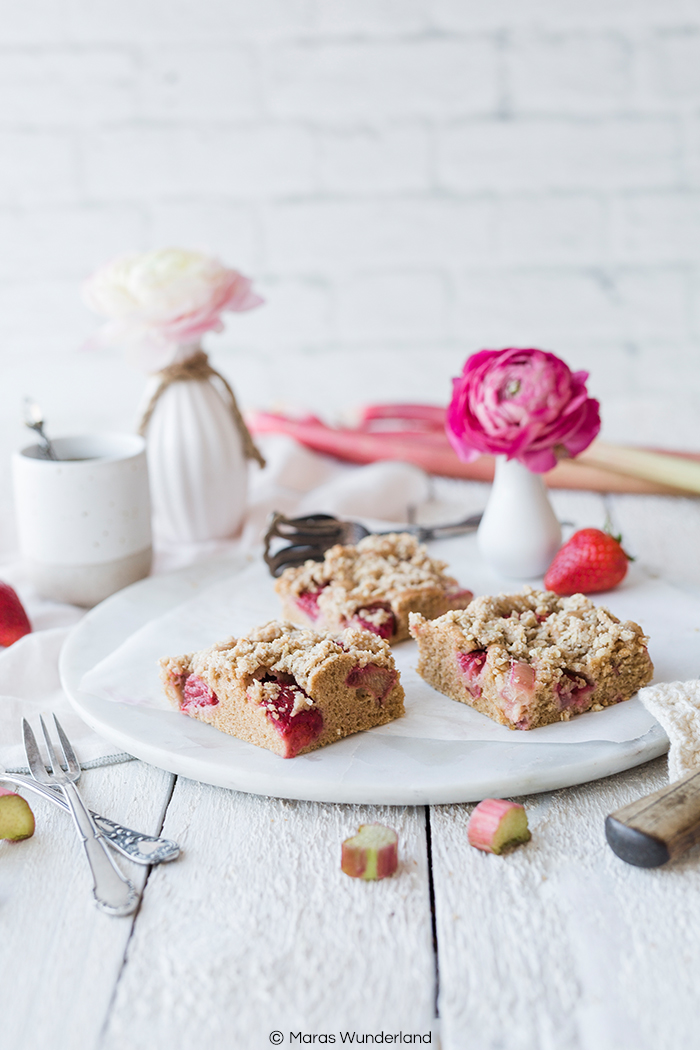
(295, 481)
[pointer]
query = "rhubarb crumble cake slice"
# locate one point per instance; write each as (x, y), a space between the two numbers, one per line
(533, 658)
(287, 688)
(374, 584)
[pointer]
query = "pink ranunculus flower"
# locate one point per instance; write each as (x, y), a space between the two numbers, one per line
(523, 404)
(160, 300)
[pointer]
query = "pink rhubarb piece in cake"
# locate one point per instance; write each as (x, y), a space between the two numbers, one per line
(530, 659)
(287, 688)
(374, 584)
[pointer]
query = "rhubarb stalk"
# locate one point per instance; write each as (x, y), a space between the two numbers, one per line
(496, 825)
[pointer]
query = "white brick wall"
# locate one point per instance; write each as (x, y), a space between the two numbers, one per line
(407, 180)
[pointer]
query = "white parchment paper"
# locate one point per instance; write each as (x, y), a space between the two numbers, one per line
(670, 617)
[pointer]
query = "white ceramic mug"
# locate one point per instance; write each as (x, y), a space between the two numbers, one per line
(84, 520)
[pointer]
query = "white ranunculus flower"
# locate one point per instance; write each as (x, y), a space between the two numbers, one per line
(157, 300)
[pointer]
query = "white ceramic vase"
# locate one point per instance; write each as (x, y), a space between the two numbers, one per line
(519, 533)
(196, 462)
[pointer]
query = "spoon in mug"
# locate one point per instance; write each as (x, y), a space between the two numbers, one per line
(34, 419)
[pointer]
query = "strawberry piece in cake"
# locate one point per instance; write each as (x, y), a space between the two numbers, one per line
(530, 659)
(288, 688)
(373, 585)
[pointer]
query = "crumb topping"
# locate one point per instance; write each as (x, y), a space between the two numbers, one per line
(542, 629)
(376, 615)
(284, 649)
(267, 694)
(378, 567)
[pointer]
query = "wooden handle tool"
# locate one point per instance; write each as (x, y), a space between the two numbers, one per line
(658, 827)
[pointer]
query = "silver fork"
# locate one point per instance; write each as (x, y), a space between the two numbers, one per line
(113, 892)
(134, 845)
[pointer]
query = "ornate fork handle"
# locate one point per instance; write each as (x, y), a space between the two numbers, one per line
(144, 849)
(113, 892)
(135, 846)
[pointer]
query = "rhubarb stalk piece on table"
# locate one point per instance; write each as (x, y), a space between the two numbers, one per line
(16, 817)
(371, 854)
(496, 825)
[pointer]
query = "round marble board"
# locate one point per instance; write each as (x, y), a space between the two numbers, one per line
(368, 768)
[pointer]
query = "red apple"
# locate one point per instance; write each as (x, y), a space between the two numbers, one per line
(14, 622)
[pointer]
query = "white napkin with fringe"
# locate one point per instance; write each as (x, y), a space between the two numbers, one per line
(676, 705)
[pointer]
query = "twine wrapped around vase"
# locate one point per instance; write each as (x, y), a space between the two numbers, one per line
(197, 367)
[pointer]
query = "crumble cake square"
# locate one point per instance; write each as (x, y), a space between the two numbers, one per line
(287, 688)
(374, 584)
(533, 658)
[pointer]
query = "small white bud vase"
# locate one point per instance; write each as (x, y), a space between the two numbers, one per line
(519, 533)
(198, 448)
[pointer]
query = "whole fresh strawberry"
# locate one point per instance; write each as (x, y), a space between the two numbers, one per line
(592, 560)
(14, 622)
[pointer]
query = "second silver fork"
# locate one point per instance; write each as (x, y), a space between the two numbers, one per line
(134, 845)
(113, 892)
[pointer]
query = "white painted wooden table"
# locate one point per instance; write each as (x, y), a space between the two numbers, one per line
(255, 929)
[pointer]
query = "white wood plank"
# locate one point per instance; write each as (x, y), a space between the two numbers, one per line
(584, 510)
(560, 944)
(59, 956)
(256, 929)
(452, 499)
(663, 533)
